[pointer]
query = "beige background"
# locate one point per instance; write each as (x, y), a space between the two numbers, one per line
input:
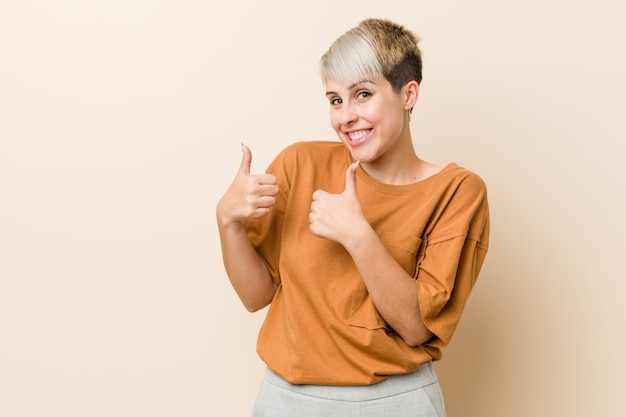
(120, 125)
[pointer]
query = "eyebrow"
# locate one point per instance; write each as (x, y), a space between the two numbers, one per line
(328, 93)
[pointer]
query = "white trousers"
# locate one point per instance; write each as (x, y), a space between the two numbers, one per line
(410, 395)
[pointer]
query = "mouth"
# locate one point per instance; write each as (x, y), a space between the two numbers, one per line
(358, 136)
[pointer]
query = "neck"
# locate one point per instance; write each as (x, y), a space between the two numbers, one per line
(401, 168)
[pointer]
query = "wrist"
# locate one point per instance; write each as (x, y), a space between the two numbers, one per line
(227, 222)
(359, 237)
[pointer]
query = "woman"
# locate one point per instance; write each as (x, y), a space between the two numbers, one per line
(366, 253)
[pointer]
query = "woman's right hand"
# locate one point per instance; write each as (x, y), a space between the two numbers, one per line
(249, 196)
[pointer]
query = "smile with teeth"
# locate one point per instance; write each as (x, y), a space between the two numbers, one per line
(358, 134)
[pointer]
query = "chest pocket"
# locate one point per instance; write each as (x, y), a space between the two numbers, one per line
(407, 251)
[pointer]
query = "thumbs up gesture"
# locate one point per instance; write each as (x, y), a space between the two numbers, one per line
(335, 216)
(248, 196)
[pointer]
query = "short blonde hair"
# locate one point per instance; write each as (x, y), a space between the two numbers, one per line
(376, 47)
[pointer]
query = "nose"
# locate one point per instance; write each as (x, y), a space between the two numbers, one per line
(348, 115)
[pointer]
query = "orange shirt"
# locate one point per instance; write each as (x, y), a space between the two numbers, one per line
(322, 327)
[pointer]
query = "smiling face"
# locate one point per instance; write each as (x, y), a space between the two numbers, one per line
(371, 119)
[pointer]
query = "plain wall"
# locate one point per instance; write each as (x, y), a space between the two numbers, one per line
(120, 127)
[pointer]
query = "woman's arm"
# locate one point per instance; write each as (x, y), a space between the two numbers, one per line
(392, 290)
(339, 217)
(248, 197)
(432, 304)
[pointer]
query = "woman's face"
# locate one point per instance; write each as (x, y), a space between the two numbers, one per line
(370, 118)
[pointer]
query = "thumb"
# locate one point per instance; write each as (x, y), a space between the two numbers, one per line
(246, 159)
(351, 178)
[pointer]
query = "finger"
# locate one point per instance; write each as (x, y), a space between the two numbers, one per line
(259, 207)
(351, 178)
(260, 212)
(266, 179)
(317, 194)
(267, 190)
(246, 160)
(265, 202)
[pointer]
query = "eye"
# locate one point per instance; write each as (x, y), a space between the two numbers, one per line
(335, 101)
(362, 95)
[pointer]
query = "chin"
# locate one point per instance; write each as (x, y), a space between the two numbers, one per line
(362, 156)
(363, 153)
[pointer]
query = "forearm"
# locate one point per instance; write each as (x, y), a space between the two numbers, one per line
(247, 272)
(392, 289)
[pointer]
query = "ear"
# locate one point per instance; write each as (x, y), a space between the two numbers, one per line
(411, 91)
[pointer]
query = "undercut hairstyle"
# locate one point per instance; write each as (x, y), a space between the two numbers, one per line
(375, 47)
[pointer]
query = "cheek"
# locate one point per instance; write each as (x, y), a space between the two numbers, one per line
(334, 121)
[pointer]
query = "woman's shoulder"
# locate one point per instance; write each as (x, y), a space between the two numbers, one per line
(462, 187)
(311, 162)
(318, 156)
(457, 174)
(315, 147)
(315, 153)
